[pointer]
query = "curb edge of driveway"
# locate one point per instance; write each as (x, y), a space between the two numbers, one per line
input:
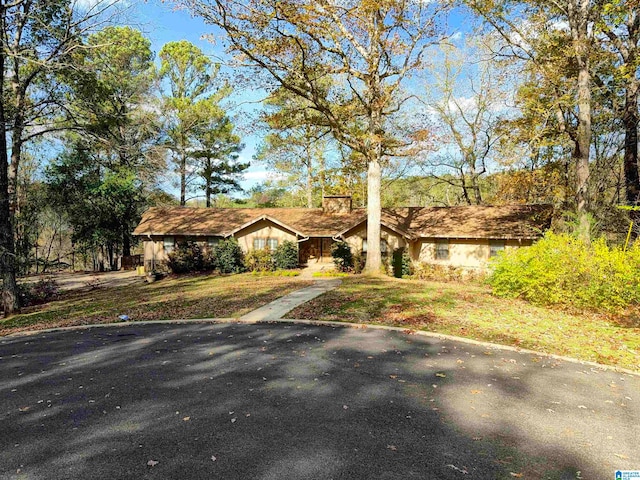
(326, 323)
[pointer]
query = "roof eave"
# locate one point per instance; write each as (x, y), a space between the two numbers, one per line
(480, 237)
(178, 234)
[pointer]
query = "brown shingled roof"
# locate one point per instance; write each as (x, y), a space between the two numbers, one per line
(502, 222)
(312, 222)
(513, 221)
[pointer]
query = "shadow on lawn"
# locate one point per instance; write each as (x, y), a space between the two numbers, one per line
(267, 401)
(156, 301)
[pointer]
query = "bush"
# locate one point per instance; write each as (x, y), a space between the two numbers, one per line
(560, 269)
(360, 261)
(401, 263)
(285, 256)
(187, 257)
(259, 261)
(342, 256)
(440, 273)
(42, 291)
(208, 260)
(228, 256)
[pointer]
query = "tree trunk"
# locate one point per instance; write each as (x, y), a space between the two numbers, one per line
(207, 179)
(7, 247)
(113, 261)
(323, 178)
(126, 243)
(309, 183)
(630, 122)
(578, 14)
(374, 214)
(101, 259)
(183, 181)
(583, 140)
(465, 189)
(477, 195)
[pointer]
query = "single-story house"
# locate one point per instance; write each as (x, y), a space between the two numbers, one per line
(463, 236)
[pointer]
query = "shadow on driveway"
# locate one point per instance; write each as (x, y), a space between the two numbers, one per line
(296, 402)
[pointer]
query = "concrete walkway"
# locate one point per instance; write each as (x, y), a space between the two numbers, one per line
(317, 267)
(280, 307)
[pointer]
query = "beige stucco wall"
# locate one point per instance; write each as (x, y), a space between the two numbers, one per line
(355, 238)
(263, 229)
(466, 253)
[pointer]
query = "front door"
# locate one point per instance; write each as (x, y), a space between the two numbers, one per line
(315, 250)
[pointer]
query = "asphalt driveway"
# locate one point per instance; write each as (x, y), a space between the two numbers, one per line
(276, 401)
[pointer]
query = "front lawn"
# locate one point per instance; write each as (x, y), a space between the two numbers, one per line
(471, 311)
(170, 298)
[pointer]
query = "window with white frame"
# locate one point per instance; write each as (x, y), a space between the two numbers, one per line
(272, 243)
(260, 243)
(495, 246)
(169, 244)
(442, 249)
(212, 241)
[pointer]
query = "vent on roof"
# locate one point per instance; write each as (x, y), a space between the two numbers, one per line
(336, 203)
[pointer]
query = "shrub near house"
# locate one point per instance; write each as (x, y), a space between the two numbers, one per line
(227, 257)
(560, 269)
(283, 257)
(189, 257)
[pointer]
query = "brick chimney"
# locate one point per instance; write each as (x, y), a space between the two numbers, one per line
(336, 204)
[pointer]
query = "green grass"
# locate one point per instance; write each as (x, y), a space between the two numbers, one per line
(171, 298)
(330, 274)
(277, 273)
(470, 311)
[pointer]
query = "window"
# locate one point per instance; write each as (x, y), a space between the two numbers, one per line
(169, 244)
(212, 241)
(384, 247)
(495, 246)
(272, 243)
(262, 243)
(442, 249)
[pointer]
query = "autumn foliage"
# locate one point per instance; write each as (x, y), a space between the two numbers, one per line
(560, 269)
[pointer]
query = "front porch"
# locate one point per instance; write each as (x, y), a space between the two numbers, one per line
(315, 250)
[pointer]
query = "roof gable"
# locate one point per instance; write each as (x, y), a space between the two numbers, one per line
(267, 218)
